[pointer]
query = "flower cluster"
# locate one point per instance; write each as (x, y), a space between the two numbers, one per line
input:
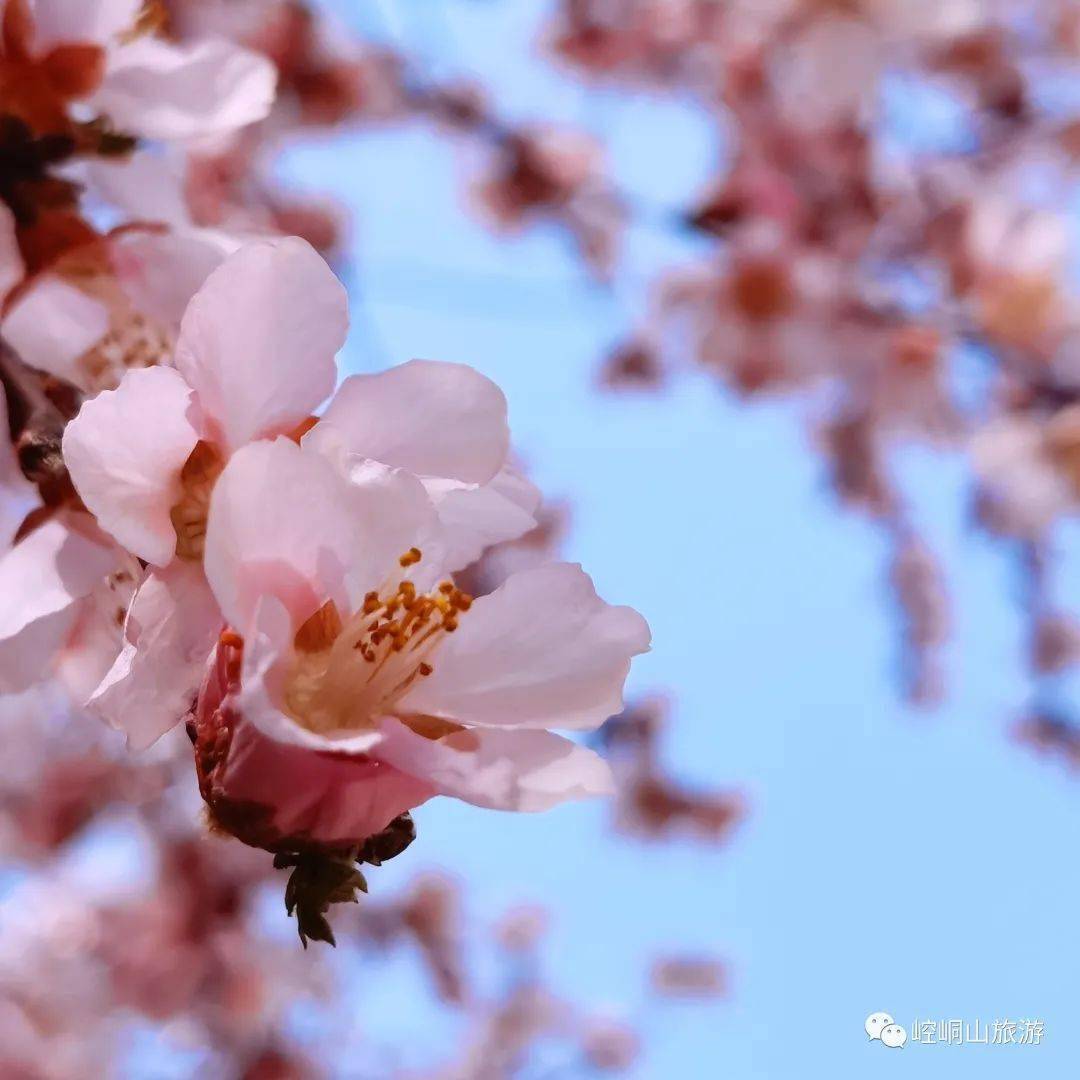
(885, 237)
(311, 558)
(199, 529)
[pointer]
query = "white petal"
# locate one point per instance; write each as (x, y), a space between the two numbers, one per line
(52, 324)
(500, 770)
(473, 518)
(285, 523)
(27, 656)
(42, 578)
(47, 571)
(397, 514)
(392, 512)
(258, 341)
(125, 451)
(146, 186)
(433, 419)
(278, 526)
(161, 90)
(82, 22)
(543, 650)
(160, 272)
(88, 651)
(171, 629)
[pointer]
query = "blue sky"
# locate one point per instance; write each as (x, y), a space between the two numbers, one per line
(919, 864)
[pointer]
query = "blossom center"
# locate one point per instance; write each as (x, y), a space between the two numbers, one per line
(347, 674)
(189, 514)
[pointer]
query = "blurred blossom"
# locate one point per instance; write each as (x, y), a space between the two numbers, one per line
(652, 804)
(522, 929)
(851, 248)
(688, 976)
(1052, 735)
(554, 173)
(610, 1047)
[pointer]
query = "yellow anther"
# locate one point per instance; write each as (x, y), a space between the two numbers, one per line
(395, 633)
(411, 557)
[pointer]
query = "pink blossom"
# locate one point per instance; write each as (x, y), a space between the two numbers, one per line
(155, 187)
(144, 85)
(254, 357)
(1024, 489)
(828, 73)
(538, 172)
(111, 306)
(347, 663)
(1014, 264)
(253, 360)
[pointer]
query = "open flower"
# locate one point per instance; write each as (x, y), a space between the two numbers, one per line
(110, 305)
(344, 694)
(103, 55)
(254, 359)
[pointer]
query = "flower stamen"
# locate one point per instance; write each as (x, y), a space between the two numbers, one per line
(349, 674)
